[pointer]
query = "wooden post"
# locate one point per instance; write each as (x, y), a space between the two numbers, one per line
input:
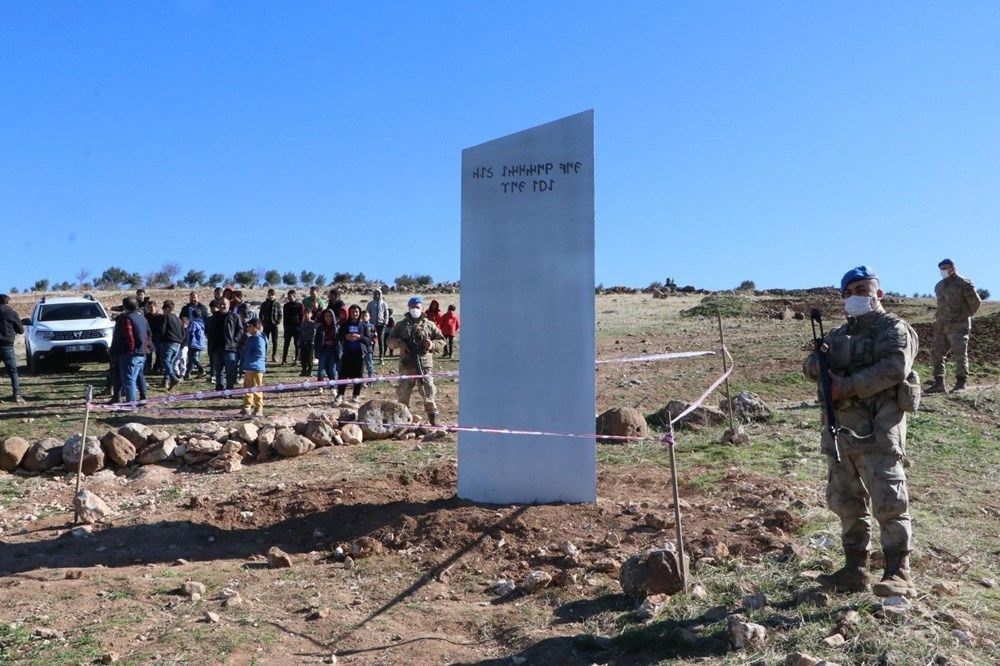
(677, 509)
(83, 450)
(725, 368)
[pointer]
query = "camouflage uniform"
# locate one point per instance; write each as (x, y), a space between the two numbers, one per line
(874, 353)
(425, 336)
(957, 301)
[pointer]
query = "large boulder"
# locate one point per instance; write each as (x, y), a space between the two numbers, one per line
(120, 450)
(657, 571)
(320, 432)
(12, 452)
(747, 407)
(204, 446)
(44, 455)
(136, 433)
(621, 422)
(289, 444)
(93, 455)
(158, 452)
(382, 419)
(699, 416)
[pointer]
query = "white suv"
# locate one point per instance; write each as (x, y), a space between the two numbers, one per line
(74, 328)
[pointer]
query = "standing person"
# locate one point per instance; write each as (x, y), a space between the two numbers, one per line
(434, 313)
(313, 302)
(390, 324)
(307, 343)
(233, 338)
(957, 302)
(217, 343)
(171, 336)
(253, 357)
(449, 325)
(417, 338)
(153, 324)
(270, 318)
(10, 328)
(368, 331)
(142, 299)
(130, 341)
(193, 305)
(378, 311)
(196, 343)
(216, 297)
(327, 346)
(242, 308)
(873, 387)
(355, 339)
(293, 312)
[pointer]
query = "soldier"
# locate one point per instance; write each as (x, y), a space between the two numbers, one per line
(417, 338)
(957, 301)
(871, 360)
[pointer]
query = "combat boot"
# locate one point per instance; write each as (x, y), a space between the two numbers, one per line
(852, 577)
(937, 386)
(959, 384)
(432, 417)
(896, 580)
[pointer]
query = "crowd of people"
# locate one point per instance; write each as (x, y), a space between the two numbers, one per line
(333, 339)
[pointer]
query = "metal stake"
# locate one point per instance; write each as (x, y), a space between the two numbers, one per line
(677, 509)
(725, 368)
(83, 450)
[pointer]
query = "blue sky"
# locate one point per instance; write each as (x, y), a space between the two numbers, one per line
(779, 142)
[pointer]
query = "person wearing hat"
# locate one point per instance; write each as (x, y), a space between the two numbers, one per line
(417, 338)
(874, 386)
(957, 302)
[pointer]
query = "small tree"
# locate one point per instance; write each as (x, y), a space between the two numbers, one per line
(307, 277)
(194, 278)
(320, 280)
(424, 280)
(246, 279)
(655, 285)
(41, 285)
(133, 281)
(983, 294)
(341, 277)
(290, 279)
(214, 280)
(15, 290)
(360, 278)
(272, 278)
(81, 276)
(405, 281)
(171, 270)
(114, 277)
(747, 285)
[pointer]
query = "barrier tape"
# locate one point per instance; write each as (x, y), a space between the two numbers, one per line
(668, 439)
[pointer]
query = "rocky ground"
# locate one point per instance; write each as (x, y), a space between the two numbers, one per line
(211, 542)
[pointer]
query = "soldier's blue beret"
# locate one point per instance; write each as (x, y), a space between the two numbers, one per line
(416, 300)
(855, 274)
(945, 262)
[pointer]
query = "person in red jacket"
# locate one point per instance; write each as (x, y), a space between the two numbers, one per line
(433, 312)
(449, 324)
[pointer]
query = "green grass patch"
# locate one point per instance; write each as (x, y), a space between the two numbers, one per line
(727, 305)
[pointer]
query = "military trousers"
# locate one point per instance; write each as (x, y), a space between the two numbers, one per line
(866, 484)
(427, 390)
(953, 338)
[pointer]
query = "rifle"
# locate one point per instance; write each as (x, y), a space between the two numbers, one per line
(826, 382)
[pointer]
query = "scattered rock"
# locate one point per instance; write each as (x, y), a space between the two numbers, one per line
(365, 547)
(654, 572)
(320, 432)
(48, 633)
(502, 587)
(963, 637)
(569, 549)
(43, 455)
(698, 591)
(158, 436)
(945, 589)
(266, 435)
(212, 618)
(656, 521)
(536, 580)
(651, 607)
(118, 448)
(835, 640)
(110, 657)
(718, 551)
(989, 583)
(606, 565)
(747, 407)
(621, 422)
(226, 462)
(849, 623)
(745, 635)
(137, 433)
(565, 578)
(203, 446)
(12, 452)
(800, 659)
(754, 601)
(736, 436)
(290, 445)
(93, 455)
(90, 508)
(278, 559)
(352, 434)
(699, 416)
(380, 419)
(192, 587)
(248, 432)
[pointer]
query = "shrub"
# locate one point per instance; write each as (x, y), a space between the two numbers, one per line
(41, 285)
(340, 278)
(747, 285)
(307, 277)
(360, 278)
(193, 278)
(728, 305)
(320, 280)
(424, 280)
(290, 279)
(984, 294)
(272, 278)
(246, 279)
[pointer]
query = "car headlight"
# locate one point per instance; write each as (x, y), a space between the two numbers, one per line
(108, 331)
(44, 335)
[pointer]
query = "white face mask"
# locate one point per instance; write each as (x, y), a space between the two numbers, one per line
(855, 306)
(944, 272)
(415, 313)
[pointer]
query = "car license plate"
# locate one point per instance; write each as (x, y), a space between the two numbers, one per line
(80, 348)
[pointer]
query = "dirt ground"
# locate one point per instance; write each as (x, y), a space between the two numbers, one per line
(418, 588)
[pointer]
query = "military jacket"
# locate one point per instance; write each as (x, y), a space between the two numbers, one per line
(417, 331)
(874, 353)
(957, 300)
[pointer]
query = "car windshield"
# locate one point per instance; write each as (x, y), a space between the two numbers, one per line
(66, 311)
